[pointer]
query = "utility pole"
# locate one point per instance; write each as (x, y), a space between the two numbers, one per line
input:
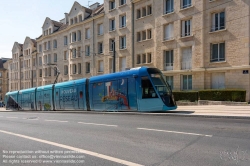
(57, 71)
(113, 56)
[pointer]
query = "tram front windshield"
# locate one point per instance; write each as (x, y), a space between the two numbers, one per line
(160, 84)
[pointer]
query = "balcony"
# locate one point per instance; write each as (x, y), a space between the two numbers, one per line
(186, 65)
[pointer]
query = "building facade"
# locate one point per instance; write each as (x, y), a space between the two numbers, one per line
(196, 44)
(4, 79)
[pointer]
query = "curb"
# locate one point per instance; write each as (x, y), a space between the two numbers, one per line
(170, 113)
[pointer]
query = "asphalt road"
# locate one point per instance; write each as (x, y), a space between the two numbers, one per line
(115, 139)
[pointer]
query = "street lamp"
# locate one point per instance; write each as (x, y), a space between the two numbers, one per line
(56, 70)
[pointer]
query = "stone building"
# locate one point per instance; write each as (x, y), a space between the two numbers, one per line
(3, 78)
(196, 44)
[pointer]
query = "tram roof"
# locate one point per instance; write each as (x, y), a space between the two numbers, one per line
(27, 90)
(45, 87)
(122, 74)
(71, 82)
(12, 93)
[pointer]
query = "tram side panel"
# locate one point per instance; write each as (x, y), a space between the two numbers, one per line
(44, 100)
(70, 97)
(26, 99)
(114, 95)
(132, 94)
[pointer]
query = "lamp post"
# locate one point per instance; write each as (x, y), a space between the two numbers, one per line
(113, 56)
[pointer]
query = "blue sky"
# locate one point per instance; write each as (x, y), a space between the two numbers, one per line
(25, 18)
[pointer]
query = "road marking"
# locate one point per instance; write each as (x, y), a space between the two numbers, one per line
(177, 132)
(12, 117)
(98, 155)
(98, 124)
(56, 121)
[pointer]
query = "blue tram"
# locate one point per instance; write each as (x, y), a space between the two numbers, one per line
(137, 89)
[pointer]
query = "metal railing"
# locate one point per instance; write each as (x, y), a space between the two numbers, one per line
(168, 66)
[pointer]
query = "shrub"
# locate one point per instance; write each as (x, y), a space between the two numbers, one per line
(237, 95)
(185, 95)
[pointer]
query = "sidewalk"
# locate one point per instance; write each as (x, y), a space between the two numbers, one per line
(215, 111)
(223, 111)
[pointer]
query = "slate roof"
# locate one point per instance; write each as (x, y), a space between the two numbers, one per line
(56, 23)
(62, 26)
(34, 41)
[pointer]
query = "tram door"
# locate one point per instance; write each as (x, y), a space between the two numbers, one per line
(132, 94)
(80, 98)
(148, 99)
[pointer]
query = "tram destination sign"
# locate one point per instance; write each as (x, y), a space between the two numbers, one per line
(245, 71)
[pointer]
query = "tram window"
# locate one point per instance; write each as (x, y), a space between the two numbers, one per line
(81, 94)
(147, 88)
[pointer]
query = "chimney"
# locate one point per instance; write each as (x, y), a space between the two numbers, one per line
(66, 18)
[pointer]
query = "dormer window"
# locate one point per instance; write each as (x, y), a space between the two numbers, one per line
(71, 21)
(80, 18)
(75, 20)
(49, 31)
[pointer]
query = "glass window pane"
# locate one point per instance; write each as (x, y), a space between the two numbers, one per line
(215, 52)
(222, 51)
(216, 21)
(184, 82)
(222, 20)
(190, 82)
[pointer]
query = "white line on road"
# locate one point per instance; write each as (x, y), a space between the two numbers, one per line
(98, 124)
(56, 121)
(177, 132)
(102, 156)
(12, 117)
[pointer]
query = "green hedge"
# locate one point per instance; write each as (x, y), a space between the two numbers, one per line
(186, 95)
(237, 95)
